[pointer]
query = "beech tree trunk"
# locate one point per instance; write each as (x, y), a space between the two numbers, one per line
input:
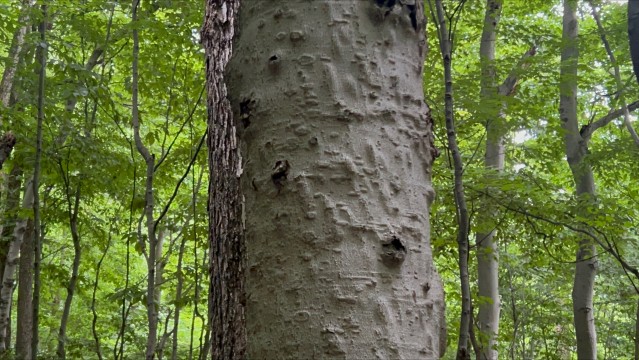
(337, 148)
(487, 251)
(576, 149)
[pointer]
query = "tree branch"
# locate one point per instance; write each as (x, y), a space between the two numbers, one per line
(507, 88)
(587, 130)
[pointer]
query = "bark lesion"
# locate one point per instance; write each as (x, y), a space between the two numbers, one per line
(393, 252)
(280, 173)
(410, 7)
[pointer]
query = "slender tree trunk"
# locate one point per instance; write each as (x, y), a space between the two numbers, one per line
(445, 44)
(226, 267)
(149, 159)
(576, 149)
(94, 330)
(180, 275)
(118, 348)
(42, 59)
(637, 332)
(633, 35)
(13, 59)
(25, 295)
(73, 224)
(178, 299)
(487, 251)
(8, 279)
(617, 74)
(335, 138)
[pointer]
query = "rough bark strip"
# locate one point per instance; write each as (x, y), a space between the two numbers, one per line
(7, 142)
(576, 148)
(226, 267)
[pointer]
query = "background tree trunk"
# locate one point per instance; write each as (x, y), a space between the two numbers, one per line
(337, 153)
(633, 34)
(25, 294)
(42, 59)
(13, 60)
(72, 211)
(487, 251)
(8, 279)
(462, 217)
(576, 149)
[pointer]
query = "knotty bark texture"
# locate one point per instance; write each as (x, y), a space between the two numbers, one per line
(226, 266)
(337, 151)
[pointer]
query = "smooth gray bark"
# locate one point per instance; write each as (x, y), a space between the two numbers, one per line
(336, 141)
(576, 148)
(487, 252)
